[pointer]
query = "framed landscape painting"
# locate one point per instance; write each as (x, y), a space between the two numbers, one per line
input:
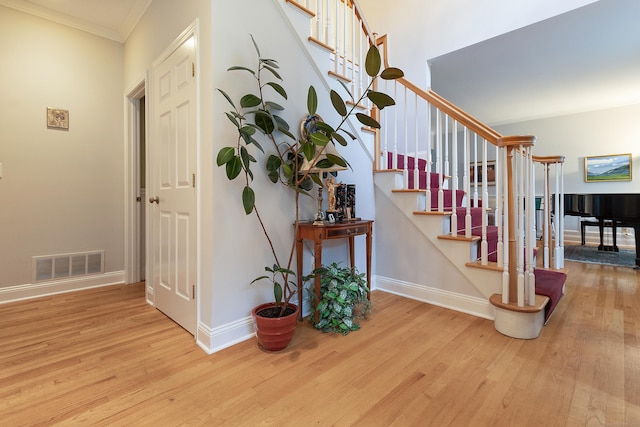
(614, 167)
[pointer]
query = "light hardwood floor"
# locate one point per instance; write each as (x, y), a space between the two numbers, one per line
(104, 357)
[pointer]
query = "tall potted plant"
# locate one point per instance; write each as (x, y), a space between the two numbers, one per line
(259, 120)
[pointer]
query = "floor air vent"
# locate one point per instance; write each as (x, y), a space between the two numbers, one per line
(62, 266)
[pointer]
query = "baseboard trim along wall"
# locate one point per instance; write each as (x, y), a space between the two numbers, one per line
(459, 302)
(42, 289)
(221, 337)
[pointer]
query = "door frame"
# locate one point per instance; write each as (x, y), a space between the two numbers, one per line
(132, 223)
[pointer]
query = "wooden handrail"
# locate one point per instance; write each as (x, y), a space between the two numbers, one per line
(548, 159)
(441, 103)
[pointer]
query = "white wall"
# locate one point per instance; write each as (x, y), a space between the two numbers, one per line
(451, 25)
(61, 191)
(594, 133)
(241, 250)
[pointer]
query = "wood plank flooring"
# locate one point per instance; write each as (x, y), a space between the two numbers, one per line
(104, 357)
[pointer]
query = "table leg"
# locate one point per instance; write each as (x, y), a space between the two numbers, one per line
(299, 256)
(352, 257)
(317, 252)
(369, 241)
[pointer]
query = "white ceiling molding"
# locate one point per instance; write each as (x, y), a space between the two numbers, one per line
(87, 15)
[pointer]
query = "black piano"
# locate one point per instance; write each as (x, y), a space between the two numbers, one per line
(615, 210)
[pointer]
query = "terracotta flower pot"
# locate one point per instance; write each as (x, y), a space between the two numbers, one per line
(274, 333)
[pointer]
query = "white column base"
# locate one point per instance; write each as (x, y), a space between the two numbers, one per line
(519, 325)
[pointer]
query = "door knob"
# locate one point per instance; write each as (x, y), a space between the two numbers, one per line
(154, 200)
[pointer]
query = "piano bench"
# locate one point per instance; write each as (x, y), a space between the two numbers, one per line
(590, 223)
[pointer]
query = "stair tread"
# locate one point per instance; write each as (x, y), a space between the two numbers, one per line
(540, 304)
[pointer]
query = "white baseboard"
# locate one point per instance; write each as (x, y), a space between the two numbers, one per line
(221, 337)
(475, 306)
(41, 289)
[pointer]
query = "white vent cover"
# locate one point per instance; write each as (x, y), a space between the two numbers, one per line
(55, 267)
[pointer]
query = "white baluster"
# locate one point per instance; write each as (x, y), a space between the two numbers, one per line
(545, 221)
(484, 243)
(416, 169)
(428, 206)
(560, 218)
(454, 179)
(319, 17)
(499, 220)
(405, 170)
(467, 183)
(506, 214)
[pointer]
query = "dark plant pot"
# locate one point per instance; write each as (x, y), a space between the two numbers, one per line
(274, 333)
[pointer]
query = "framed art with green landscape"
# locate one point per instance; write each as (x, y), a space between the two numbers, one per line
(614, 167)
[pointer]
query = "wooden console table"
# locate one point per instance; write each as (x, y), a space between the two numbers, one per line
(318, 233)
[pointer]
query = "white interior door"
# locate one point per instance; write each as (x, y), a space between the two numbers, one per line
(171, 193)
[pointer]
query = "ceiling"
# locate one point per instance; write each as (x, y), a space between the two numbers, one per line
(582, 60)
(113, 19)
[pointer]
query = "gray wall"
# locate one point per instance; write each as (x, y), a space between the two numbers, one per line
(61, 190)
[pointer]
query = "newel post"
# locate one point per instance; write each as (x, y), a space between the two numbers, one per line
(513, 144)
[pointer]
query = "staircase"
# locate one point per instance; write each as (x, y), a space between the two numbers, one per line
(460, 196)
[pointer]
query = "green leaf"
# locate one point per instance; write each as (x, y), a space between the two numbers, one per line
(286, 132)
(338, 103)
(367, 121)
(228, 98)
(273, 106)
(373, 62)
(337, 160)
(285, 271)
(273, 163)
(273, 71)
(316, 178)
(319, 138)
(308, 150)
(248, 199)
(380, 99)
(265, 122)
(312, 101)
(237, 68)
(344, 85)
(255, 45)
(258, 278)
(324, 127)
(352, 136)
(282, 123)
(279, 89)
(340, 139)
(250, 101)
(225, 155)
(270, 62)
(233, 120)
(244, 155)
(392, 73)
(234, 167)
(256, 143)
(277, 292)
(273, 176)
(249, 130)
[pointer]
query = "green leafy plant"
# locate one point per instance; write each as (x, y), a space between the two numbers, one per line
(258, 119)
(343, 299)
